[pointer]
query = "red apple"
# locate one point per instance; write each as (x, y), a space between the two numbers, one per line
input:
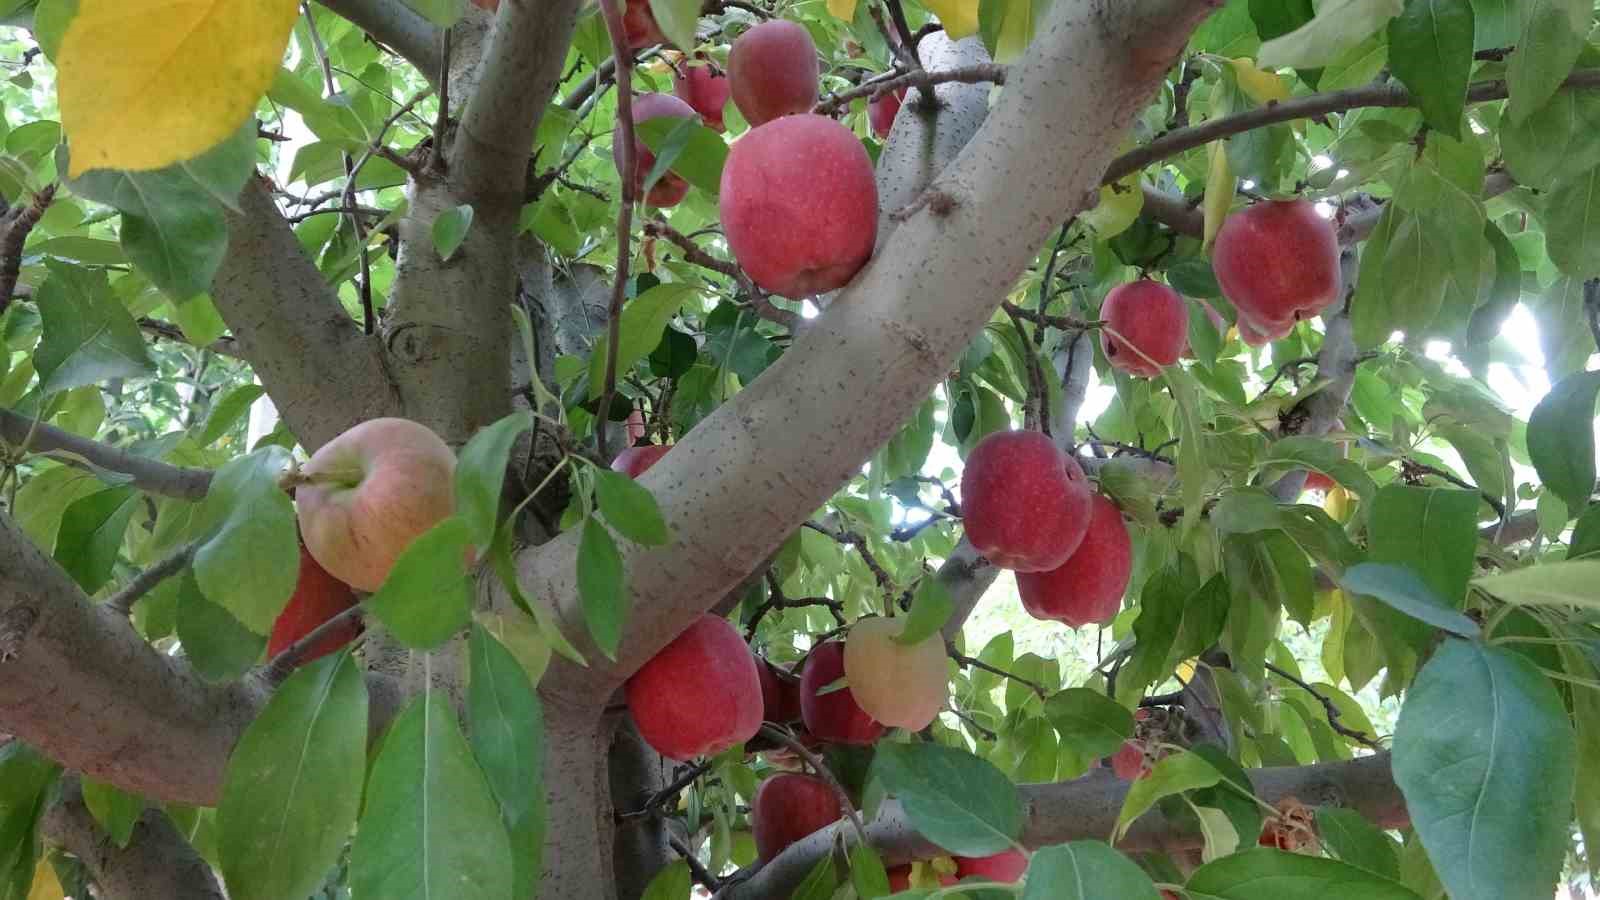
(1278, 261)
(635, 461)
(1317, 481)
(774, 71)
(639, 25)
(700, 695)
(704, 88)
(799, 205)
(881, 112)
(780, 694)
(1088, 587)
(1025, 503)
(900, 878)
(1005, 867)
(317, 598)
(834, 716)
(1152, 318)
(1130, 763)
(789, 806)
(902, 685)
(368, 493)
(670, 188)
(1257, 335)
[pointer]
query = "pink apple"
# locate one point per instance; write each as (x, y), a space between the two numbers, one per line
(704, 87)
(1150, 317)
(1024, 502)
(881, 112)
(773, 71)
(834, 716)
(1278, 262)
(1087, 588)
(637, 460)
(670, 188)
(1005, 867)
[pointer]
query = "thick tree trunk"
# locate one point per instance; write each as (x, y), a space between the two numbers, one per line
(578, 855)
(157, 863)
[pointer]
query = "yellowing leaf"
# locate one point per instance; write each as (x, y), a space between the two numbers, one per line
(1219, 191)
(842, 9)
(1120, 203)
(45, 884)
(1258, 84)
(1185, 671)
(959, 17)
(143, 84)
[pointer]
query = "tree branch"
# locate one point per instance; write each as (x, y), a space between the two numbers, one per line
(157, 862)
(627, 160)
(148, 474)
(1087, 809)
(978, 73)
(395, 25)
(123, 600)
(1328, 707)
(223, 346)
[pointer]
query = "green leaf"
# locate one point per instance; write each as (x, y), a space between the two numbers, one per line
(1263, 874)
(508, 740)
(90, 537)
(1160, 614)
(26, 779)
(1430, 50)
(1338, 26)
(431, 827)
(931, 607)
(1089, 721)
(1006, 27)
(1434, 532)
(217, 645)
(1171, 775)
(450, 229)
(506, 570)
(674, 882)
(88, 335)
(630, 508)
(1358, 842)
(225, 413)
(292, 789)
(1370, 320)
(1568, 583)
(1325, 457)
(643, 319)
(1085, 870)
(251, 562)
(818, 884)
(1553, 34)
(481, 474)
(677, 20)
(1586, 534)
(602, 586)
(116, 810)
(1401, 589)
(1484, 755)
(1559, 141)
(427, 598)
(1245, 511)
(1561, 438)
(700, 152)
(960, 802)
(1192, 470)
(867, 873)
(1572, 225)
(443, 13)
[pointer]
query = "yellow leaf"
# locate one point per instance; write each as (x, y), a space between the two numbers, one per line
(1185, 671)
(45, 884)
(842, 9)
(959, 17)
(1220, 184)
(1258, 84)
(1120, 204)
(143, 84)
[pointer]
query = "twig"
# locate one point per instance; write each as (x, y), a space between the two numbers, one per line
(1413, 469)
(1591, 307)
(1328, 707)
(773, 732)
(14, 228)
(986, 733)
(282, 666)
(122, 601)
(670, 792)
(225, 345)
(1063, 323)
(625, 171)
(777, 601)
(1161, 699)
(442, 122)
(919, 78)
(372, 211)
(711, 882)
(976, 663)
(856, 540)
(908, 41)
(1036, 412)
(1286, 368)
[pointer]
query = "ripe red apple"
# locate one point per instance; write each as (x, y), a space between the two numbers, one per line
(834, 716)
(900, 878)
(881, 112)
(703, 87)
(317, 598)
(901, 685)
(1151, 317)
(787, 807)
(1278, 261)
(700, 695)
(1257, 335)
(1317, 481)
(1005, 867)
(368, 493)
(799, 205)
(1130, 763)
(1088, 587)
(1025, 503)
(774, 71)
(639, 25)
(780, 694)
(635, 461)
(670, 188)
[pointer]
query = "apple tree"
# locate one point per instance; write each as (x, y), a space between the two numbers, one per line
(760, 449)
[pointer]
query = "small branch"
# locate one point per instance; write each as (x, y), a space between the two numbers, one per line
(1412, 469)
(855, 539)
(1063, 323)
(14, 228)
(283, 665)
(908, 41)
(711, 882)
(916, 78)
(63, 446)
(773, 732)
(976, 663)
(1286, 368)
(1328, 707)
(440, 124)
(392, 23)
(1036, 414)
(122, 601)
(667, 794)
(1591, 308)
(224, 345)
(759, 302)
(777, 601)
(625, 171)
(985, 733)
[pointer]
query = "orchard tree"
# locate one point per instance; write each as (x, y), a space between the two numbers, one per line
(544, 448)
